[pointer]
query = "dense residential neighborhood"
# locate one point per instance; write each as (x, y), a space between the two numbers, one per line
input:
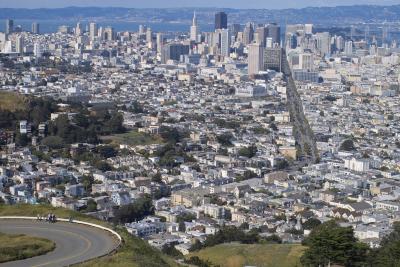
(181, 137)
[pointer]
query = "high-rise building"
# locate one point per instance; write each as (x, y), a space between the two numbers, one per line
(109, 33)
(308, 28)
(37, 50)
(273, 59)
(248, 33)
(174, 51)
(160, 42)
(262, 33)
(142, 29)
(348, 48)
(78, 29)
(9, 26)
(255, 58)
(35, 28)
(194, 31)
(306, 61)
(274, 31)
(149, 36)
(225, 42)
(221, 20)
(93, 30)
(235, 28)
(64, 29)
(19, 44)
(323, 42)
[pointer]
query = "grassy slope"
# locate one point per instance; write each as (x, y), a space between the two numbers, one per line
(18, 247)
(260, 255)
(134, 252)
(12, 101)
(133, 138)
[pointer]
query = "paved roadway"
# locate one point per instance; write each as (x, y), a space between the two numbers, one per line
(74, 242)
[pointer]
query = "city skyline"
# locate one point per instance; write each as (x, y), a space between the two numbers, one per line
(270, 4)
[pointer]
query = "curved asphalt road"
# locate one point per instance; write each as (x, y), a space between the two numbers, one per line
(74, 242)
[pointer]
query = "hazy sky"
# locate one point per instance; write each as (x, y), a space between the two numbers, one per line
(271, 4)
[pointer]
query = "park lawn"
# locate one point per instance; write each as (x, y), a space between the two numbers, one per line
(260, 255)
(18, 247)
(134, 138)
(134, 251)
(12, 101)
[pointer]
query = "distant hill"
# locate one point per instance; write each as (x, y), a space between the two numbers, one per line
(317, 15)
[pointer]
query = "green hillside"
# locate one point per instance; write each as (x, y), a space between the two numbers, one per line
(260, 255)
(134, 251)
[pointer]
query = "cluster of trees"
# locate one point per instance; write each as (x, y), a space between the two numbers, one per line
(330, 244)
(84, 128)
(227, 124)
(35, 110)
(225, 139)
(133, 212)
(248, 151)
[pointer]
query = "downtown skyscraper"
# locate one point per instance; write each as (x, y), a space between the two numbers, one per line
(221, 20)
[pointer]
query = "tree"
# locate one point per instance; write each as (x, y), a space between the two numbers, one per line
(330, 244)
(388, 254)
(248, 152)
(53, 142)
(136, 211)
(347, 145)
(311, 223)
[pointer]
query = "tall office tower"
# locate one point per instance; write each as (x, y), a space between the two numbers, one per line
(262, 33)
(274, 31)
(35, 28)
(306, 61)
(194, 29)
(352, 32)
(366, 33)
(248, 33)
(9, 26)
(385, 34)
(64, 29)
(109, 33)
(323, 43)
(235, 28)
(78, 29)
(149, 36)
(142, 29)
(93, 30)
(348, 48)
(339, 43)
(291, 41)
(221, 20)
(7, 47)
(255, 58)
(160, 42)
(174, 52)
(37, 50)
(273, 58)
(225, 43)
(269, 42)
(19, 44)
(308, 28)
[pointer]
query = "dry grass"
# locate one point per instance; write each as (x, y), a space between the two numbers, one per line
(260, 255)
(12, 101)
(18, 247)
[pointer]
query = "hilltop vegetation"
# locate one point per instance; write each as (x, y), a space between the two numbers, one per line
(10, 101)
(134, 251)
(261, 255)
(18, 247)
